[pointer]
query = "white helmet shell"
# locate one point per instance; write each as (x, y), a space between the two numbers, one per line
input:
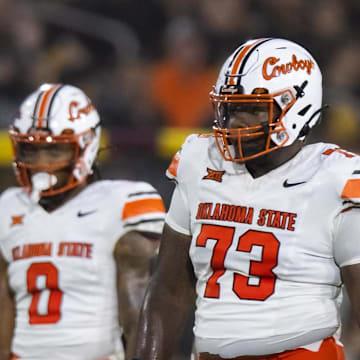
(278, 65)
(64, 113)
(56, 108)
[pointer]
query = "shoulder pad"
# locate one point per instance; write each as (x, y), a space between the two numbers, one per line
(143, 209)
(346, 166)
(191, 150)
(9, 193)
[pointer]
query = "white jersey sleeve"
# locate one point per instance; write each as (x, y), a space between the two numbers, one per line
(178, 216)
(5, 197)
(62, 270)
(180, 171)
(344, 172)
(346, 239)
(350, 193)
(347, 223)
(143, 210)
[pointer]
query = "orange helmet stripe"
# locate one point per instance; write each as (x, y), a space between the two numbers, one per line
(41, 112)
(240, 57)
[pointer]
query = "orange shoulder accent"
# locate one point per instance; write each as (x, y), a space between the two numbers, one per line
(140, 207)
(330, 151)
(172, 169)
(206, 135)
(351, 189)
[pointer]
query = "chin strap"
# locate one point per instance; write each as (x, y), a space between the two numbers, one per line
(306, 128)
(41, 181)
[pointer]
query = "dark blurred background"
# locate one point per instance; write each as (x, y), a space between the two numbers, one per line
(148, 66)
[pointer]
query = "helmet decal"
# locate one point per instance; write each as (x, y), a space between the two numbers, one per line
(239, 59)
(282, 69)
(51, 116)
(75, 111)
(43, 105)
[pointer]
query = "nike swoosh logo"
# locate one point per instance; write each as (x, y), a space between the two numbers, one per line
(286, 184)
(81, 214)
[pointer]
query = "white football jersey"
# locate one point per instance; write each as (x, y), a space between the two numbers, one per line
(62, 269)
(267, 251)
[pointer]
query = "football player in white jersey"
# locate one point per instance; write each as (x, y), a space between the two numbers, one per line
(262, 230)
(77, 250)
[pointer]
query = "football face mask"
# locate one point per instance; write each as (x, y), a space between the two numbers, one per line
(278, 85)
(55, 157)
(245, 124)
(55, 138)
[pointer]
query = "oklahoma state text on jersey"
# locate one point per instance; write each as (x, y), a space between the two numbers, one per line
(62, 270)
(262, 249)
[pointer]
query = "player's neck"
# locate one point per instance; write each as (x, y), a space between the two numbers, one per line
(51, 203)
(262, 165)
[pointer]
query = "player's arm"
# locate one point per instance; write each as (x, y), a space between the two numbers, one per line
(133, 253)
(347, 254)
(169, 298)
(7, 313)
(351, 278)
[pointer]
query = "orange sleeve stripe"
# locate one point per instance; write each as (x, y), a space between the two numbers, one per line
(351, 189)
(140, 207)
(172, 169)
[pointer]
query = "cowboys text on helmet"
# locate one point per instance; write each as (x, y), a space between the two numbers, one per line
(272, 68)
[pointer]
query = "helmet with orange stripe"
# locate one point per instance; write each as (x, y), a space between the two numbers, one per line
(279, 84)
(55, 137)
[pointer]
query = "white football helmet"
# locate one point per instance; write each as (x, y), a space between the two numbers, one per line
(276, 72)
(56, 114)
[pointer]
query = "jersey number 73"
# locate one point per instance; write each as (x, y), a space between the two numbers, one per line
(262, 269)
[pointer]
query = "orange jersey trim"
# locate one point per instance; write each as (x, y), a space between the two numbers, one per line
(351, 189)
(172, 169)
(140, 207)
(329, 350)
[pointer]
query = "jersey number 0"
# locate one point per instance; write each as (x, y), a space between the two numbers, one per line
(50, 272)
